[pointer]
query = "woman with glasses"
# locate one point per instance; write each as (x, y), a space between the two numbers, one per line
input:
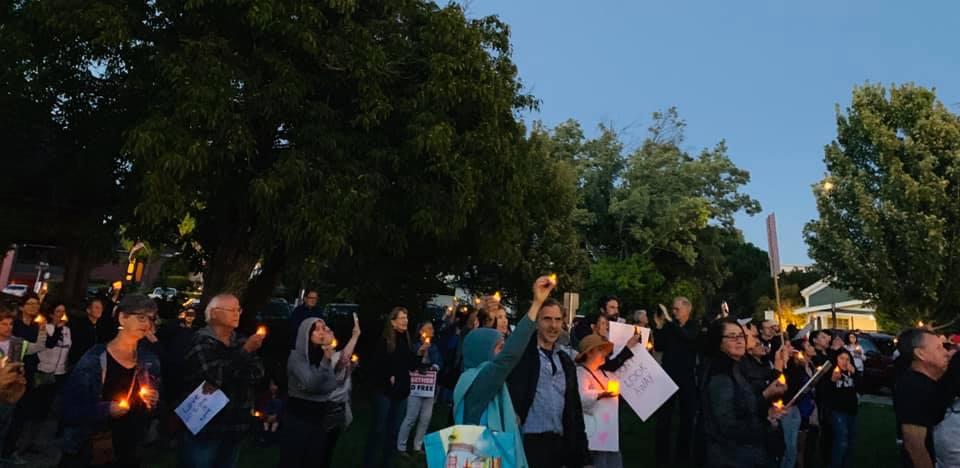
(394, 358)
(111, 392)
(736, 420)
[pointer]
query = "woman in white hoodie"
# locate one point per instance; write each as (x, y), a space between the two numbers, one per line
(317, 406)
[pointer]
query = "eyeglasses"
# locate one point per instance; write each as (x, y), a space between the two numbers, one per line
(144, 318)
(238, 310)
(737, 337)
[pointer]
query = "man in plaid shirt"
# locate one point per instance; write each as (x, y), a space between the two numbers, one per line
(221, 359)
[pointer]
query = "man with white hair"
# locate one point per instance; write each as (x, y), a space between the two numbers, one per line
(221, 359)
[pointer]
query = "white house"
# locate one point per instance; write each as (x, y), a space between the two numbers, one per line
(852, 314)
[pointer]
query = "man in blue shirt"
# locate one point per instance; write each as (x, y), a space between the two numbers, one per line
(545, 394)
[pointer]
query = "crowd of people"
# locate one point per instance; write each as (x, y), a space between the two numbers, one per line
(744, 393)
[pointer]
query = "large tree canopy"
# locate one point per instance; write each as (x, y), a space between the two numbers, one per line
(889, 226)
(657, 221)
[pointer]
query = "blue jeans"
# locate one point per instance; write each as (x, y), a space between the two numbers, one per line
(844, 433)
(791, 427)
(209, 450)
(382, 443)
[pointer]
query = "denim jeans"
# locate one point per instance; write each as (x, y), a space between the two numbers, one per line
(844, 433)
(209, 450)
(419, 411)
(791, 427)
(382, 443)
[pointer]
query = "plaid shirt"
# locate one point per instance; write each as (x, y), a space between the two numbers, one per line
(230, 369)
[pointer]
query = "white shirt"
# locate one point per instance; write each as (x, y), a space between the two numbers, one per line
(54, 360)
(5, 347)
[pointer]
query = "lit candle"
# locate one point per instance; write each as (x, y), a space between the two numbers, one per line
(800, 355)
(649, 345)
(426, 339)
(124, 404)
(354, 359)
(920, 323)
(39, 319)
(778, 404)
(553, 278)
(836, 369)
(333, 343)
(613, 387)
(782, 379)
(497, 296)
(262, 330)
(143, 391)
(476, 300)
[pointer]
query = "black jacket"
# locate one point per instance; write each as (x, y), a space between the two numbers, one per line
(396, 364)
(679, 347)
(522, 383)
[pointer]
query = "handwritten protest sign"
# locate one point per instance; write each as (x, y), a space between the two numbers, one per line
(621, 332)
(643, 383)
(423, 385)
(199, 408)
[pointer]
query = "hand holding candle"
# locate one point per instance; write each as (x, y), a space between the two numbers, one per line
(119, 408)
(149, 396)
(778, 405)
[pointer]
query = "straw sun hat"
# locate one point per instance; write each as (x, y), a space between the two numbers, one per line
(590, 342)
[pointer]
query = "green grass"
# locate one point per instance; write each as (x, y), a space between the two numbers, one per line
(875, 446)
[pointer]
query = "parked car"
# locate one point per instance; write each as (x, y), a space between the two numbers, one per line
(16, 289)
(878, 370)
(163, 294)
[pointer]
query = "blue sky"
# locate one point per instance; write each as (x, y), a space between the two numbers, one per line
(764, 75)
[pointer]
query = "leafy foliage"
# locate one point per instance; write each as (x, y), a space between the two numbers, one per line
(889, 226)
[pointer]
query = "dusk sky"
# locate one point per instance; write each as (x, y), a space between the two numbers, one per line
(765, 76)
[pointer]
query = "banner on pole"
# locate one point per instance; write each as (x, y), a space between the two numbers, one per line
(772, 246)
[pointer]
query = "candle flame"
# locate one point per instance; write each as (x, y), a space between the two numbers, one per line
(39, 319)
(333, 343)
(553, 278)
(354, 359)
(123, 403)
(613, 387)
(649, 345)
(778, 404)
(800, 355)
(782, 379)
(920, 323)
(143, 390)
(497, 296)
(262, 330)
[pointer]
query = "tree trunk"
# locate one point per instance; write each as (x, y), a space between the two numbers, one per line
(228, 271)
(260, 288)
(76, 275)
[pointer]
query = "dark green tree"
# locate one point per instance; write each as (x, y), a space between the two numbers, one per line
(889, 227)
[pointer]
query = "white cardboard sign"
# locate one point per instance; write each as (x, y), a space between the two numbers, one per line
(621, 332)
(643, 383)
(199, 408)
(423, 385)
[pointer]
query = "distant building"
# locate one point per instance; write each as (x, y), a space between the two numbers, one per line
(852, 313)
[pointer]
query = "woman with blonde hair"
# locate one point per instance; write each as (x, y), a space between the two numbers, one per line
(393, 360)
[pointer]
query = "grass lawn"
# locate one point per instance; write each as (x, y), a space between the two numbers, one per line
(875, 447)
